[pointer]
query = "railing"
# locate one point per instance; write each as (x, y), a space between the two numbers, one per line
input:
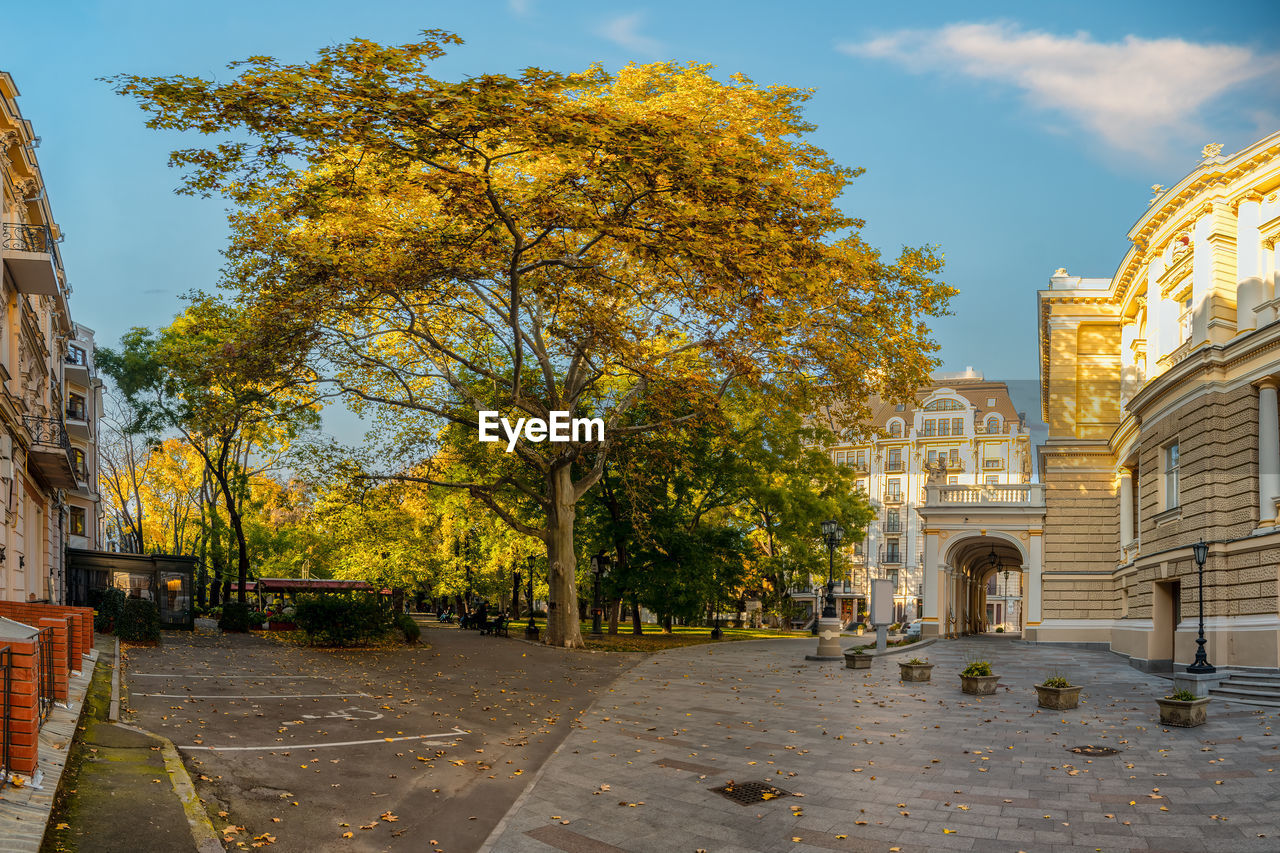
(893, 497)
(44, 671)
(29, 238)
(51, 432)
(1025, 494)
(6, 685)
(893, 527)
(895, 467)
(992, 463)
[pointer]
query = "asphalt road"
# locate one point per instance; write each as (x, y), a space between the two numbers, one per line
(423, 748)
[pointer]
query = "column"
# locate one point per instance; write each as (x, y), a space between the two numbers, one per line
(1033, 571)
(931, 569)
(1126, 510)
(1268, 452)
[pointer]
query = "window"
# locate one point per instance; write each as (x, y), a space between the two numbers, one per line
(944, 427)
(957, 426)
(895, 459)
(1184, 320)
(933, 457)
(945, 405)
(895, 428)
(1171, 475)
(840, 457)
(893, 489)
(953, 481)
(893, 522)
(860, 485)
(953, 458)
(991, 479)
(993, 425)
(77, 355)
(81, 471)
(900, 408)
(857, 549)
(76, 408)
(930, 427)
(77, 521)
(891, 553)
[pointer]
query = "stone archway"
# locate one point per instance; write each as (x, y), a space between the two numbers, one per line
(963, 526)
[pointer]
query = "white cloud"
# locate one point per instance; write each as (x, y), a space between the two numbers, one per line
(1134, 94)
(624, 30)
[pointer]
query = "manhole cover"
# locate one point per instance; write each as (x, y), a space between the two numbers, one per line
(1092, 750)
(746, 793)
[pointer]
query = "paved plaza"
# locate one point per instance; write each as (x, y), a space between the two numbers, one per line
(879, 765)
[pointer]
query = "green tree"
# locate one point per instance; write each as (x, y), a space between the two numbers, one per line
(205, 377)
(547, 242)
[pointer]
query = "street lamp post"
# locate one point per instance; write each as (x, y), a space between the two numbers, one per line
(530, 630)
(1201, 664)
(829, 630)
(599, 565)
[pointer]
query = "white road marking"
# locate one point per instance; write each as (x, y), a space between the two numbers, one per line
(289, 747)
(252, 696)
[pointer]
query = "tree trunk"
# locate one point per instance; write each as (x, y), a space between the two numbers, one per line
(562, 575)
(636, 628)
(515, 595)
(614, 607)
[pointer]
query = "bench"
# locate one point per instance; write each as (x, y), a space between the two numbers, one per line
(496, 626)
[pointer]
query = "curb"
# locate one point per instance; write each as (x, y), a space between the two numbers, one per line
(897, 650)
(113, 714)
(202, 831)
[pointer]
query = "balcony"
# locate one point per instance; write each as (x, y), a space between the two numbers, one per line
(75, 366)
(32, 258)
(892, 497)
(78, 421)
(992, 464)
(51, 452)
(1016, 494)
(895, 467)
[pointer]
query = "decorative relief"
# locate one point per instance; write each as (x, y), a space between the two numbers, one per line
(1211, 152)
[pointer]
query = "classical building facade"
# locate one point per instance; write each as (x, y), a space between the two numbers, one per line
(961, 431)
(1159, 387)
(49, 395)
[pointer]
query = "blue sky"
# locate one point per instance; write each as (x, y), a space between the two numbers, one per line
(1018, 137)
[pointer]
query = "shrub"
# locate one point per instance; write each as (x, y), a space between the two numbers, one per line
(1057, 681)
(917, 662)
(408, 627)
(139, 621)
(1182, 696)
(235, 617)
(338, 620)
(1000, 629)
(109, 610)
(977, 668)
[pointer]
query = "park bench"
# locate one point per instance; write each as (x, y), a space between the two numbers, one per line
(494, 627)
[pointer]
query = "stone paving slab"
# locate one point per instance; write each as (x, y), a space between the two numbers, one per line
(875, 763)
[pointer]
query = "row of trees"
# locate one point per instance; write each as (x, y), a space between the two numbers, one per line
(656, 247)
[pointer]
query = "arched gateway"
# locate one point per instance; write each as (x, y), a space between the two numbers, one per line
(972, 533)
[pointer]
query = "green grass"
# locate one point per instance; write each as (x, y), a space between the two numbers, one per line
(653, 639)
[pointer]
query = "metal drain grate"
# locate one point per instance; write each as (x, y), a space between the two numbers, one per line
(747, 793)
(1093, 750)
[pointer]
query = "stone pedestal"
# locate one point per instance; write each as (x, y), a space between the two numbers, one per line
(828, 641)
(1198, 683)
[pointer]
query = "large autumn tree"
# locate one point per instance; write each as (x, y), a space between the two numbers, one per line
(545, 241)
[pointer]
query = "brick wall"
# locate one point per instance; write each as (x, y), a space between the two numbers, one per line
(81, 637)
(22, 727)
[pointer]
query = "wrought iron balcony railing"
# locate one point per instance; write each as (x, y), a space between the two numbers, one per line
(51, 433)
(29, 238)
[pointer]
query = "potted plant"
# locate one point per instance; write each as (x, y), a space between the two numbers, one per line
(1058, 693)
(976, 679)
(915, 670)
(1183, 708)
(857, 659)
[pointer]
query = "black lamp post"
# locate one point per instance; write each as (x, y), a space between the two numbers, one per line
(1201, 664)
(832, 534)
(531, 630)
(599, 565)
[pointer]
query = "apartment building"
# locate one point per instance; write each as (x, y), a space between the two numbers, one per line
(960, 430)
(49, 393)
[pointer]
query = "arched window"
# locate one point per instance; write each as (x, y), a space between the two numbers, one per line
(993, 424)
(945, 404)
(895, 428)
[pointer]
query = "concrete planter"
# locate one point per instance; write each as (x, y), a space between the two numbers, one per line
(979, 685)
(852, 661)
(1176, 712)
(915, 671)
(1058, 698)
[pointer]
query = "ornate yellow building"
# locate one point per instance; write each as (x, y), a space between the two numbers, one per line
(49, 393)
(1159, 388)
